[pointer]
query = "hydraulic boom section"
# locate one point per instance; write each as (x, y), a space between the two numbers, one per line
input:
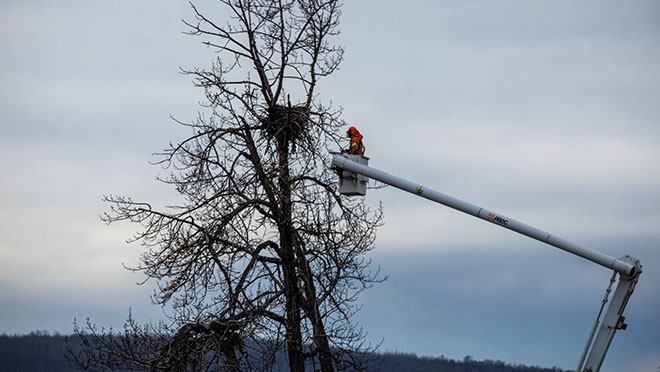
(628, 268)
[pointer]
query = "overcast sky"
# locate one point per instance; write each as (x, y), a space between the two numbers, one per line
(545, 111)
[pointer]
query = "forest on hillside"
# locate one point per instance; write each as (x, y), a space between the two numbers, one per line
(43, 352)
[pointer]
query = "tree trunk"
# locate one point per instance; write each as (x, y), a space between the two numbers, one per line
(314, 314)
(293, 318)
(291, 290)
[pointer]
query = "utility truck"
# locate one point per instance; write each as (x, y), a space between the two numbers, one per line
(354, 173)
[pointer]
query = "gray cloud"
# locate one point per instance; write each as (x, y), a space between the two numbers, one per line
(545, 111)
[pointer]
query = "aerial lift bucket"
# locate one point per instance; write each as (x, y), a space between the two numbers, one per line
(351, 183)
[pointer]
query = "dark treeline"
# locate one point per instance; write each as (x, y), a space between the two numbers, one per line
(397, 362)
(36, 352)
(43, 352)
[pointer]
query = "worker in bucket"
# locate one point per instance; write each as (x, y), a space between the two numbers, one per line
(356, 146)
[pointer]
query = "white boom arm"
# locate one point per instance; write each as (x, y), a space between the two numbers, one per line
(628, 268)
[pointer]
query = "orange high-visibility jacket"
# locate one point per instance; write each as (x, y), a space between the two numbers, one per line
(356, 143)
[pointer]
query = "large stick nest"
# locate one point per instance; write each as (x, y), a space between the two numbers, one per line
(287, 123)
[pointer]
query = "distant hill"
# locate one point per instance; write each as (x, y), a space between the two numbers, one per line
(397, 362)
(36, 352)
(43, 352)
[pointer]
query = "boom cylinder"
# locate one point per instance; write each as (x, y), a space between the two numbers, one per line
(600, 258)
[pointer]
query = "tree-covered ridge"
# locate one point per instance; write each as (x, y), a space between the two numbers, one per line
(41, 352)
(396, 362)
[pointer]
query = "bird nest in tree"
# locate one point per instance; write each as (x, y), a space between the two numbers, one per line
(287, 123)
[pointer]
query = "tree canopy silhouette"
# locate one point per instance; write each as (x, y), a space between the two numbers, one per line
(263, 254)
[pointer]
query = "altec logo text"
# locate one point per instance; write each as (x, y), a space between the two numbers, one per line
(498, 219)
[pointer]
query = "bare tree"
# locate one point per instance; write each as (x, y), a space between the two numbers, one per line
(263, 255)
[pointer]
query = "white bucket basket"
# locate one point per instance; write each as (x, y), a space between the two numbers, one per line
(350, 183)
